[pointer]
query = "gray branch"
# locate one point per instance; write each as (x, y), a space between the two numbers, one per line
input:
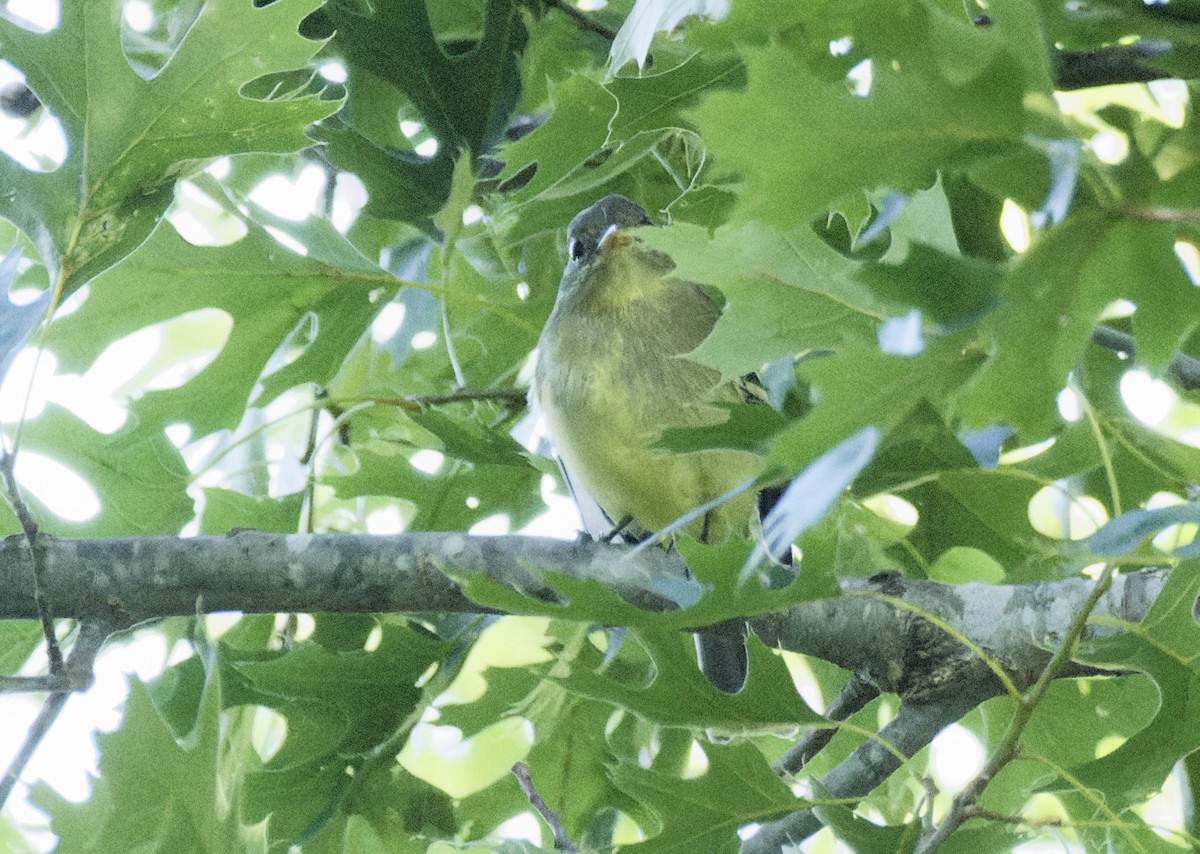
(1184, 368)
(943, 649)
(1131, 63)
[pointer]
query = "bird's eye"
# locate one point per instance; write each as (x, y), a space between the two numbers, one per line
(575, 249)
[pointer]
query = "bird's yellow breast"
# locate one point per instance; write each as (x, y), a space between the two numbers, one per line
(611, 377)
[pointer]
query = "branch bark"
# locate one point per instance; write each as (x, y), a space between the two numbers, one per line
(943, 649)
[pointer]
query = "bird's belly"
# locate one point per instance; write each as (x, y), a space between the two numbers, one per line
(611, 457)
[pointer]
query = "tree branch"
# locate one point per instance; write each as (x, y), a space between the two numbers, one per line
(918, 639)
(1184, 368)
(29, 528)
(1081, 69)
(562, 841)
(92, 635)
(855, 695)
(583, 21)
(870, 764)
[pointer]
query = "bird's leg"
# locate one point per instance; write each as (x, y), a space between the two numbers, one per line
(618, 529)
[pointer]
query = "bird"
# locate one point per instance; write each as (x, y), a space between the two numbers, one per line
(613, 374)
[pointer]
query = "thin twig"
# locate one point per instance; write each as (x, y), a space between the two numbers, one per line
(1184, 368)
(976, 811)
(582, 20)
(855, 694)
(92, 634)
(1162, 213)
(1010, 744)
(1127, 63)
(562, 842)
(514, 397)
(28, 684)
(30, 529)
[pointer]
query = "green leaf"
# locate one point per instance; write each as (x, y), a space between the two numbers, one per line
(939, 92)
(17, 322)
(485, 473)
(340, 706)
(705, 813)
(573, 782)
(662, 98)
(402, 186)
(1040, 332)
(130, 138)
(960, 564)
(1165, 646)
(988, 511)
(680, 695)
(632, 43)
(577, 128)
(785, 292)
(154, 792)
(226, 510)
(265, 289)
(464, 93)
(859, 386)
(952, 291)
(138, 476)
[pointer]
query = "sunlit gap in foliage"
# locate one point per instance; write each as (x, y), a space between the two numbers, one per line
(892, 508)
(524, 827)
(298, 198)
(1027, 452)
(38, 142)
(427, 461)
(267, 732)
(560, 519)
(1150, 400)
(1070, 407)
(286, 240)
(955, 757)
(496, 525)
(255, 455)
(1057, 512)
(292, 199)
(1172, 536)
(164, 355)
(385, 521)
(138, 15)
(201, 221)
(387, 323)
(1014, 225)
(1189, 256)
(349, 198)
(62, 490)
(441, 757)
(425, 147)
(130, 366)
(859, 77)
(333, 71)
(43, 15)
(67, 762)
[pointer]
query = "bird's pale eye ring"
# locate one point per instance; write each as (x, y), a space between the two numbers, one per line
(575, 249)
(608, 232)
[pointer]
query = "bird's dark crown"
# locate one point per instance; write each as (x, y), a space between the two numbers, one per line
(591, 225)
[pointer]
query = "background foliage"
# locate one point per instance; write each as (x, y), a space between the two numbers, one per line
(839, 171)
